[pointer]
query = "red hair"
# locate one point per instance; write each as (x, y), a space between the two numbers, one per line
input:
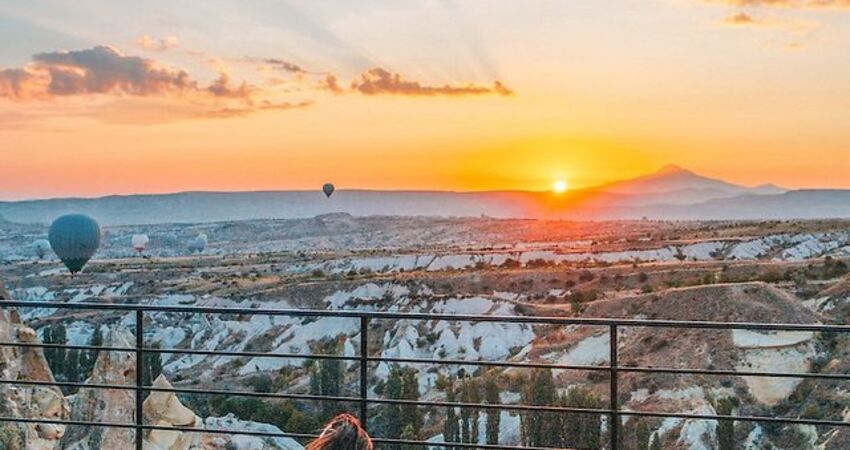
(343, 432)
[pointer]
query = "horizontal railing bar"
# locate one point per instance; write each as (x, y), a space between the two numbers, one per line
(265, 434)
(818, 376)
(157, 427)
(531, 408)
(446, 317)
(457, 444)
(460, 362)
(67, 347)
(373, 359)
(181, 351)
(370, 359)
(763, 419)
(312, 397)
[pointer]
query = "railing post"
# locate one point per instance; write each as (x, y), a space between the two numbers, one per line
(614, 392)
(140, 367)
(364, 370)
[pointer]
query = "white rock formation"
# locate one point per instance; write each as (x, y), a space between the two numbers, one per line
(34, 402)
(165, 410)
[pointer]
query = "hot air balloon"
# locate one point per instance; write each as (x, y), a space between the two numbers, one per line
(140, 241)
(198, 244)
(74, 238)
(328, 189)
(41, 247)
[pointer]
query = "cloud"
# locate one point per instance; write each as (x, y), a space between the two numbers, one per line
(222, 87)
(156, 45)
(103, 69)
(795, 27)
(263, 106)
(739, 19)
(379, 81)
(331, 83)
(823, 4)
(132, 88)
(23, 84)
(285, 66)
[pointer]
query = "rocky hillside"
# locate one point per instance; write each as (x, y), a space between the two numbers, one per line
(161, 409)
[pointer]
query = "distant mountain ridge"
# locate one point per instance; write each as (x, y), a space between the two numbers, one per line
(670, 193)
(672, 178)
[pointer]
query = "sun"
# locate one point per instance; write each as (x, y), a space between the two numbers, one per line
(560, 186)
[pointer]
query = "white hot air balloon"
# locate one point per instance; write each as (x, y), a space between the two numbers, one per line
(140, 242)
(41, 248)
(198, 244)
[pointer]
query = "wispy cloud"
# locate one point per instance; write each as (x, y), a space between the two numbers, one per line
(285, 66)
(105, 72)
(823, 4)
(263, 106)
(156, 45)
(740, 18)
(379, 81)
(796, 28)
(127, 87)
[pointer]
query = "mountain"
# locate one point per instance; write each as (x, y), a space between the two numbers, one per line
(800, 204)
(670, 193)
(672, 178)
(675, 185)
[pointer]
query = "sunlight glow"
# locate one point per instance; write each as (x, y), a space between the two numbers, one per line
(560, 186)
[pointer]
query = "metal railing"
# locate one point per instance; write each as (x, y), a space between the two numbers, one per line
(614, 369)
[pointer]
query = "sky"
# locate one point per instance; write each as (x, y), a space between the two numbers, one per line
(105, 97)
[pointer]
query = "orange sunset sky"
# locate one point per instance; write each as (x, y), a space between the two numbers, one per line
(104, 97)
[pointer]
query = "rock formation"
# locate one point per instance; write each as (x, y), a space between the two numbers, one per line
(165, 410)
(33, 402)
(106, 405)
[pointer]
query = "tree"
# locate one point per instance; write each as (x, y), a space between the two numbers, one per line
(409, 434)
(72, 372)
(391, 413)
(89, 358)
(410, 416)
(491, 396)
(725, 428)
(536, 425)
(451, 432)
(56, 357)
(656, 443)
(397, 420)
(326, 378)
(582, 430)
(469, 425)
(642, 435)
(152, 366)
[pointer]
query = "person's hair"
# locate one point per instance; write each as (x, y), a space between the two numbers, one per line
(343, 432)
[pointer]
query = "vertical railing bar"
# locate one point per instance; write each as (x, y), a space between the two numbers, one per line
(364, 370)
(140, 367)
(614, 391)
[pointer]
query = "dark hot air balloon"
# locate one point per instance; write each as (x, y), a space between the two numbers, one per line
(328, 189)
(74, 238)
